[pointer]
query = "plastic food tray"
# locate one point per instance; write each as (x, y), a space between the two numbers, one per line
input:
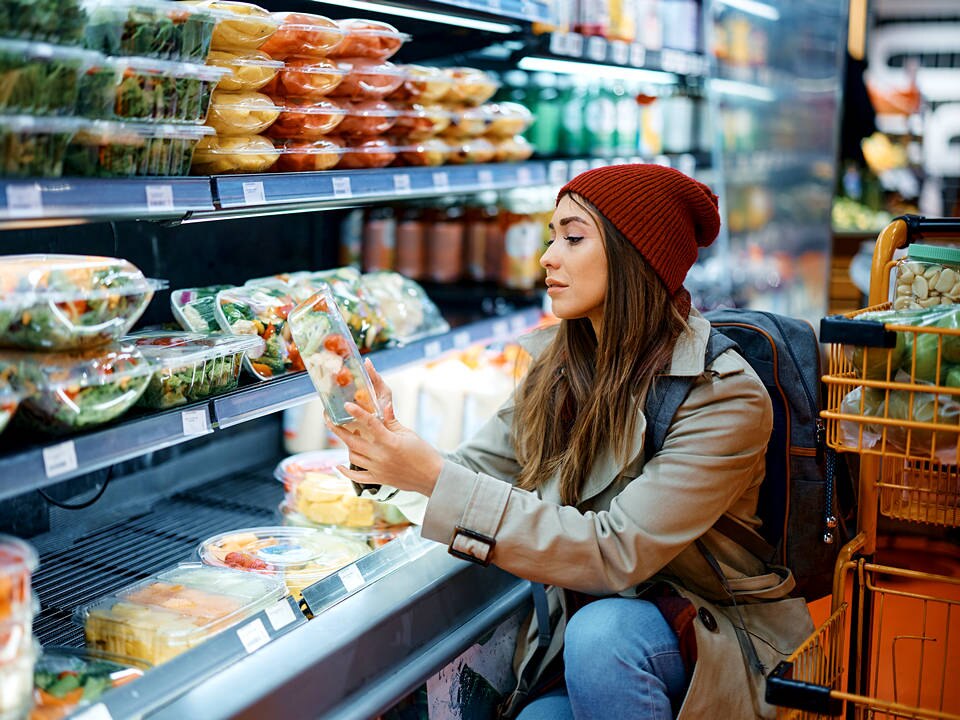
(16, 682)
(34, 146)
(235, 114)
(32, 20)
(422, 84)
(429, 151)
(306, 77)
(470, 86)
(41, 79)
(308, 155)
(149, 28)
(404, 304)
(305, 119)
(367, 118)
(303, 34)
(240, 25)
(9, 402)
(67, 678)
(375, 537)
(241, 154)
(418, 122)
(247, 70)
(108, 149)
(18, 560)
(369, 39)
(192, 308)
(192, 366)
(368, 79)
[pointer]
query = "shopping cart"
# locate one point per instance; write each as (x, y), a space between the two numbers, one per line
(891, 647)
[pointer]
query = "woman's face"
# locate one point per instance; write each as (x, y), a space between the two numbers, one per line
(576, 264)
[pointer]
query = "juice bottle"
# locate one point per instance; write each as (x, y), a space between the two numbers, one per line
(411, 242)
(445, 245)
(379, 239)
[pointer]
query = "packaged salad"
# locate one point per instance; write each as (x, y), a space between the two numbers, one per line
(158, 91)
(71, 301)
(331, 357)
(9, 401)
(369, 39)
(248, 70)
(110, 149)
(41, 79)
(409, 312)
(149, 28)
(18, 560)
(71, 391)
(360, 311)
(34, 146)
(192, 366)
(242, 154)
(262, 310)
(56, 21)
(240, 25)
(302, 34)
(297, 556)
(193, 308)
(66, 678)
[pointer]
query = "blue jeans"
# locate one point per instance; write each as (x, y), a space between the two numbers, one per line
(621, 660)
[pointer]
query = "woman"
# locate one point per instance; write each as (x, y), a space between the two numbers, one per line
(556, 487)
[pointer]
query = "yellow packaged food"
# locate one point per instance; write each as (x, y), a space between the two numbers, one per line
(240, 25)
(242, 154)
(241, 113)
(249, 69)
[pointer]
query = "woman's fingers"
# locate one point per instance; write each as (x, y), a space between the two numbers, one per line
(358, 476)
(384, 393)
(354, 441)
(369, 424)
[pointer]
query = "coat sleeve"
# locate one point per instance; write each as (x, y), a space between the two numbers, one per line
(712, 454)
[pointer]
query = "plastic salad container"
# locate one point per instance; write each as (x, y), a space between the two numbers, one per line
(306, 77)
(360, 311)
(192, 366)
(39, 78)
(508, 119)
(302, 34)
(66, 678)
(368, 79)
(193, 308)
(375, 537)
(308, 155)
(372, 153)
(331, 357)
(369, 39)
(422, 84)
(367, 118)
(242, 154)
(297, 556)
(418, 122)
(33, 20)
(247, 70)
(159, 91)
(18, 560)
(261, 310)
(149, 28)
(306, 119)
(34, 146)
(241, 113)
(429, 151)
(9, 401)
(71, 301)
(512, 149)
(73, 391)
(163, 616)
(929, 275)
(109, 149)
(470, 86)
(16, 680)
(240, 25)
(410, 314)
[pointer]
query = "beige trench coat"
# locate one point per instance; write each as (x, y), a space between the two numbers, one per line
(633, 526)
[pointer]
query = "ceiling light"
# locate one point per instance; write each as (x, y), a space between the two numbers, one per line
(586, 69)
(458, 20)
(752, 7)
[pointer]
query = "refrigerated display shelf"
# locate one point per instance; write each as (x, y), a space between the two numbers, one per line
(25, 466)
(600, 50)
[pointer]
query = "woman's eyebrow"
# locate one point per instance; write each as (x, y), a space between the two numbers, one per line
(568, 220)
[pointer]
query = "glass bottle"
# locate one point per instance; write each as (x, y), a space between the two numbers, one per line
(379, 239)
(544, 134)
(411, 242)
(445, 245)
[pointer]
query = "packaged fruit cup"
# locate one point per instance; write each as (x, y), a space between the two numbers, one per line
(242, 154)
(34, 146)
(306, 77)
(473, 150)
(368, 79)
(66, 392)
(470, 86)
(367, 118)
(240, 25)
(507, 119)
(110, 149)
(159, 91)
(297, 556)
(308, 155)
(41, 79)
(468, 122)
(9, 401)
(16, 681)
(512, 149)
(306, 119)
(368, 153)
(17, 562)
(261, 310)
(71, 301)
(430, 152)
(149, 28)
(66, 678)
(418, 122)
(369, 39)
(422, 84)
(409, 312)
(247, 70)
(303, 34)
(165, 615)
(929, 275)
(193, 308)
(192, 366)
(61, 23)
(234, 114)
(331, 357)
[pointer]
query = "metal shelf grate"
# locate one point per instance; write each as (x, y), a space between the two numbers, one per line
(109, 558)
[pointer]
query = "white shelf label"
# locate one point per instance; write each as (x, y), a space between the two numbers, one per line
(253, 636)
(518, 324)
(558, 43)
(441, 181)
(494, 5)
(575, 45)
(485, 177)
(558, 172)
(94, 712)
(524, 176)
(620, 52)
(596, 48)
(280, 615)
(578, 166)
(401, 183)
(351, 577)
(60, 459)
(461, 340)
(638, 55)
(195, 422)
(432, 349)
(24, 200)
(341, 187)
(159, 197)
(501, 330)
(253, 193)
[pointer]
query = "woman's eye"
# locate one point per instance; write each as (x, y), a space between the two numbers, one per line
(573, 239)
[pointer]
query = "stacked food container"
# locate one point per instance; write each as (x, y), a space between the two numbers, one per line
(17, 648)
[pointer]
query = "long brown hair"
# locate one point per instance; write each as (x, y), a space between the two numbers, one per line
(582, 396)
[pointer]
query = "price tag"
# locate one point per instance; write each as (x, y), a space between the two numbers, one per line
(401, 183)
(485, 177)
(280, 615)
(432, 349)
(253, 193)
(159, 197)
(24, 200)
(575, 45)
(253, 636)
(518, 324)
(461, 340)
(638, 55)
(620, 52)
(558, 43)
(94, 712)
(341, 187)
(558, 172)
(494, 5)
(524, 176)
(501, 330)
(441, 181)
(60, 459)
(596, 48)
(351, 577)
(195, 422)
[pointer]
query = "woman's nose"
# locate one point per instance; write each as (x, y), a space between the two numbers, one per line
(547, 260)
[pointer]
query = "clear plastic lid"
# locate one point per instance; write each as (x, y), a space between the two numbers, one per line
(247, 70)
(303, 34)
(372, 153)
(471, 150)
(307, 119)
(178, 349)
(240, 154)
(240, 25)
(367, 118)
(193, 307)
(66, 677)
(241, 113)
(470, 86)
(370, 39)
(170, 68)
(306, 77)
(468, 122)
(33, 51)
(389, 525)
(411, 313)
(368, 79)
(308, 155)
(508, 119)
(331, 357)
(512, 149)
(18, 560)
(418, 122)
(429, 152)
(67, 278)
(293, 469)
(53, 371)
(37, 125)
(105, 132)
(422, 84)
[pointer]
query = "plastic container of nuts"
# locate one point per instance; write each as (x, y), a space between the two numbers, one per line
(928, 276)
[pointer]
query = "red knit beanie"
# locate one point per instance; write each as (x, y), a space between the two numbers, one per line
(665, 214)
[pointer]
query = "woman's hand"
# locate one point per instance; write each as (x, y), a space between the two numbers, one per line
(390, 453)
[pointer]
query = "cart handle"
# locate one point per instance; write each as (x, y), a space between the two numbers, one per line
(783, 691)
(898, 234)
